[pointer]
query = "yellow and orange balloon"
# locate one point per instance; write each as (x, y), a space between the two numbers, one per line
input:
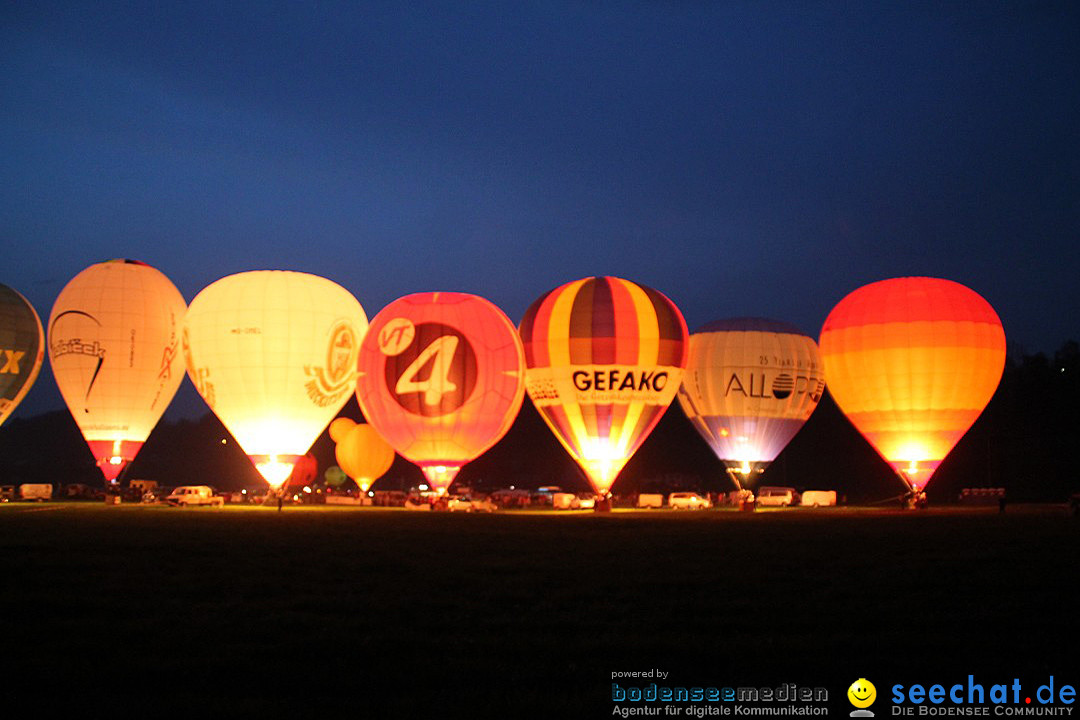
(912, 362)
(114, 346)
(441, 378)
(605, 357)
(361, 453)
(273, 353)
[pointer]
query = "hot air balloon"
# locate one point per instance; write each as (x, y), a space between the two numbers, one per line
(442, 378)
(273, 353)
(360, 451)
(605, 357)
(22, 347)
(114, 346)
(912, 362)
(749, 385)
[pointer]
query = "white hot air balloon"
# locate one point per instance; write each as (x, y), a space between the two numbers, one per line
(274, 355)
(749, 386)
(114, 347)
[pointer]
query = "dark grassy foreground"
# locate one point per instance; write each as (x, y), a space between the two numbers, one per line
(374, 608)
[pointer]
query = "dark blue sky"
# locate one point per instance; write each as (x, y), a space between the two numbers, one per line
(744, 158)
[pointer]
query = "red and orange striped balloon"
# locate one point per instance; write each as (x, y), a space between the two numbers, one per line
(912, 362)
(604, 359)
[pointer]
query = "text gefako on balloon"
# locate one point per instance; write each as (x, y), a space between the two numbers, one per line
(114, 346)
(273, 353)
(604, 359)
(441, 379)
(912, 362)
(750, 385)
(22, 349)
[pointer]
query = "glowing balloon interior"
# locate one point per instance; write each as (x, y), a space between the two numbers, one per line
(605, 357)
(114, 346)
(22, 348)
(750, 385)
(442, 378)
(912, 362)
(273, 353)
(360, 451)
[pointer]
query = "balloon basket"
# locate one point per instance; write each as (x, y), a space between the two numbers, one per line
(603, 505)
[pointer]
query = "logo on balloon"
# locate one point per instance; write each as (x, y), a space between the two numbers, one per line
(328, 385)
(434, 374)
(9, 361)
(396, 335)
(781, 388)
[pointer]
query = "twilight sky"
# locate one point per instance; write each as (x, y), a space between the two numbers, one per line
(745, 158)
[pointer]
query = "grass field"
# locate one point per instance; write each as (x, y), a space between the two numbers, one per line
(519, 611)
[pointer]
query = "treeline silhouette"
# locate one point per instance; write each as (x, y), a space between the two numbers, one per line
(1025, 441)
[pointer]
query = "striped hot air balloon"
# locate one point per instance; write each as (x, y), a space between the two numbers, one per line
(912, 362)
(750, 385)
(604, 359)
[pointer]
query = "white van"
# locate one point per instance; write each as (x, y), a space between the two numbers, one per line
(650, 500)
(688, 501)
(194, 495)
(777, 497)
(35, 491)
(819, 498)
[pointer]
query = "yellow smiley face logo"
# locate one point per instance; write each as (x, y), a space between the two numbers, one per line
(862, 693)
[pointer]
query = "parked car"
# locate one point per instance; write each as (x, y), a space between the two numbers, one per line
(510, 498)
(420, 499)
(688, 501)
(777, 497)
(194, 495)
(467, 503)
(586, 502)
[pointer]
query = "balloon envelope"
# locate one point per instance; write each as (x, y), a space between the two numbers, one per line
(273, 353)
(441, 379)
(360, 451)
(22, 348)
(605, 357)
(750, 385)
(912, 362)
(114, 346)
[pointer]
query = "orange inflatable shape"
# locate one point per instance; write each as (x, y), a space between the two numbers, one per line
(442, 378)
(605, 357)
(912, 362)
(360, 452)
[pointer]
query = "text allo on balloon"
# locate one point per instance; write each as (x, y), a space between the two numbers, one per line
(750, 385)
